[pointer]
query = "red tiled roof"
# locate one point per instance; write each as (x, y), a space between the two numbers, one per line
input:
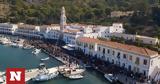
(124, 47)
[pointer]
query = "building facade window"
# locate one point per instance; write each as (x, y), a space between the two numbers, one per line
(151, 62)
(137, 61)
(103, 50)
(145, 62)
(124, 56)
(99, 48)
(113, 52)
(108, 51)
(130, 58)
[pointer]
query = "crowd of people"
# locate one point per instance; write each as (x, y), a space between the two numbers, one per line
(78, 57)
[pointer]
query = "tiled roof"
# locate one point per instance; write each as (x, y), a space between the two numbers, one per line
(26, 26)
(120, 46)
(71, 31)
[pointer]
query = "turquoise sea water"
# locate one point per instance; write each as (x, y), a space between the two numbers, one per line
(17, 57)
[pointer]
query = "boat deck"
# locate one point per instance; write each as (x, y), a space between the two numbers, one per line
(33, 72)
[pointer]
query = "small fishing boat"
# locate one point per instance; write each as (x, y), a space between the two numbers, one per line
(72, 73)
(36, 51)
(44, 59)
(14, 44)
(20, 45)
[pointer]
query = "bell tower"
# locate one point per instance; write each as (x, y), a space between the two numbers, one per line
(62, 23)
(62, 19)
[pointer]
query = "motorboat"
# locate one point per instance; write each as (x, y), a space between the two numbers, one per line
(36, 51)
(44, 59)
(71, 73)
(20, 45)
(45, 74)
(67, 70)
(110, 77)
(14, 44)
(75, 76)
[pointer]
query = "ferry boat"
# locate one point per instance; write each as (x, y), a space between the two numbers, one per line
(44, 59)
(36, 51)
(45, 74)
(110, 77)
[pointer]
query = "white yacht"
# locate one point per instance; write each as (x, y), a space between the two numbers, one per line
(45, 74)
(36, 51)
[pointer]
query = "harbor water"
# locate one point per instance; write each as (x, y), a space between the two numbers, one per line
(19, 58)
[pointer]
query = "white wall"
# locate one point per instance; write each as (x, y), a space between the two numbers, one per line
(91, 35)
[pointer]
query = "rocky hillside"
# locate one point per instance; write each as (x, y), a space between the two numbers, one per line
(144, 20)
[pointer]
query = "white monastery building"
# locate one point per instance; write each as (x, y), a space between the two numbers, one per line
(85, 38)
(50, 31)
(7, 28)
(136, 59)
(26, 30)
(142, 39)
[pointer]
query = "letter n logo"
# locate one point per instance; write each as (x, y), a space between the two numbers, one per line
(15, 76)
